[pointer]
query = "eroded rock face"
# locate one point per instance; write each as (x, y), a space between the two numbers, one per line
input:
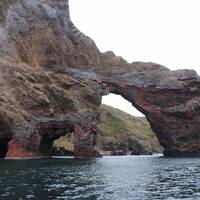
(52, 78)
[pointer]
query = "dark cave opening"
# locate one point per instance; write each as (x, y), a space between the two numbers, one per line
(46, 145)
(5, 137)
(3, 147)
(49, 134)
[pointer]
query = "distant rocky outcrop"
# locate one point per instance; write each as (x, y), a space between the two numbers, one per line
(121, 133)
(64, 146)
(52, 79)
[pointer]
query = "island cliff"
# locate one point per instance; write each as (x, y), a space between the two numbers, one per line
(52, 79)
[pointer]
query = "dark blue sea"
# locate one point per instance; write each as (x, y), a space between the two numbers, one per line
(108, 178)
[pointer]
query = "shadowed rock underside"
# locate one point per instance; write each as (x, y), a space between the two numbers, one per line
(52, 79)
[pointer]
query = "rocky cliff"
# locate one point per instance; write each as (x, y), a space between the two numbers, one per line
(52, 78)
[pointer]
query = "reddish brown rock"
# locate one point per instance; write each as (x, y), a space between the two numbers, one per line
(85, 152)
(19, 150)
(52, 78)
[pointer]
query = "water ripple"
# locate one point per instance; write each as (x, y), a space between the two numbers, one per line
(109, 178)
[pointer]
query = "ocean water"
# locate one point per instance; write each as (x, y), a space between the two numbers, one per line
(108, 178)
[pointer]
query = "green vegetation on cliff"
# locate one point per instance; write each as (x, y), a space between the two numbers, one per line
(118, 130)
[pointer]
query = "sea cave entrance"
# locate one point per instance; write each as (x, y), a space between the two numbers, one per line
(5, 137)
(3, 147)
(122, 129)
(54, 138)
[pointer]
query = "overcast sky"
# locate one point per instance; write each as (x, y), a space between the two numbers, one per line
(161, 31)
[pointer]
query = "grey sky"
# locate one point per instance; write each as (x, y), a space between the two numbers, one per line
(161, 31)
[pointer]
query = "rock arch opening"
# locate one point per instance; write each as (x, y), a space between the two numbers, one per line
(119, 102)
(122, 129)
(64, 145)
(49, 133)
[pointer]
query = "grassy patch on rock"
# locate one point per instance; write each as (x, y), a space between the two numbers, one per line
(119, 130)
